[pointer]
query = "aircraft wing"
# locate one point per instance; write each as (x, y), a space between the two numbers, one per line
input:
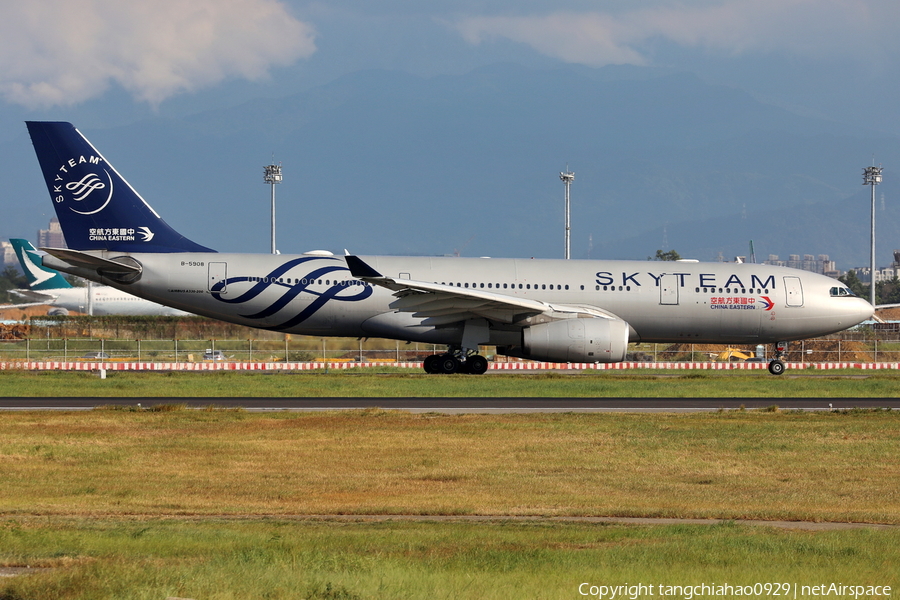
(35, 297)
(24, 305)
(440, 304)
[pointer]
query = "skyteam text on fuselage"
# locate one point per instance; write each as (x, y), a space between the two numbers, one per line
(550, 310)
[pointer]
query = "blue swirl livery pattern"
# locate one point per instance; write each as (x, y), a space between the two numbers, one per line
(339, 291)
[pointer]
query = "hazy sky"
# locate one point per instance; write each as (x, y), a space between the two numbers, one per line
(108, 61)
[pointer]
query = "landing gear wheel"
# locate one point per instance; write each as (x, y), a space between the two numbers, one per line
(776, 367)
(477, 364)
(431, 364)
(448, 364)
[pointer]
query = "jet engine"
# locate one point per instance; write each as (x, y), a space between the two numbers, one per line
(575, 340)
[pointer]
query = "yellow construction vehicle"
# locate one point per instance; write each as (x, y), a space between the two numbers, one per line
(732, 354)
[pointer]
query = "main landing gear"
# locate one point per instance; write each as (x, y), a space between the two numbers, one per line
(455, 361)
(776, 365)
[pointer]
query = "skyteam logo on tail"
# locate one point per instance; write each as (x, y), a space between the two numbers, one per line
(84, 193)
(85, 187)
(97, 209)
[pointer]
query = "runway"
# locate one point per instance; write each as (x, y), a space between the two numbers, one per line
(462, 405)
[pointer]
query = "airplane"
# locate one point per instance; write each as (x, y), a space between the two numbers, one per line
(50, 287)
(577, 311)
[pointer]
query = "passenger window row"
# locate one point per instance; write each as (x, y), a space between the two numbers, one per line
(511, 286)
(298, 281)
(712, 290)
(612, 288)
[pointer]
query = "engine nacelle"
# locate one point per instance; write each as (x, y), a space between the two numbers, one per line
(577, 340)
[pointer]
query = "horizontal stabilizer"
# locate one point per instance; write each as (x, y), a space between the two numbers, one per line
(26, 305)
(84, 260)
(34, 296)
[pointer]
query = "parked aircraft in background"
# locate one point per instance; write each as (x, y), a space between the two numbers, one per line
(550, 310)
(50, 287)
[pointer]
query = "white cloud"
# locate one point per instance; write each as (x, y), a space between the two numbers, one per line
(861, 29)
(589, 38)
(62, 52)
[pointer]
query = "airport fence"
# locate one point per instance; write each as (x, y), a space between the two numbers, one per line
(299, 349)
(290, 349)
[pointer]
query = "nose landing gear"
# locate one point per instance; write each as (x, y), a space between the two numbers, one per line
(776, 365)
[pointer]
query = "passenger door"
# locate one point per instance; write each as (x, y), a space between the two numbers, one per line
(793, 291)
(668, 290)
(217, 275)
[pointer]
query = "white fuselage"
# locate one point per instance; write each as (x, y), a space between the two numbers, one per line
(105, 300)
(660, 301)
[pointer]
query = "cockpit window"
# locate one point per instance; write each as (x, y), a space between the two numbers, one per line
(841, 291)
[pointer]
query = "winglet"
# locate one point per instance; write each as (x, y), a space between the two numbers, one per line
(359, 268)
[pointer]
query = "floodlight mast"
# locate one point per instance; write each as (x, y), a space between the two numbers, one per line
(272, 175)
(567, 178)
(872, 177)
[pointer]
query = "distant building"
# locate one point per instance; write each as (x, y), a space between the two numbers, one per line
(9, 254)
(864, 274)
(773, 260)
(817, 264)
(885, 274)
(53, 237)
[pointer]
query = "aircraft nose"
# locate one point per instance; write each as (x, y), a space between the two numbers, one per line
(865, 311)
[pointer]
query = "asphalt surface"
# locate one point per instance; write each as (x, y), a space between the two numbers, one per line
(462, 405)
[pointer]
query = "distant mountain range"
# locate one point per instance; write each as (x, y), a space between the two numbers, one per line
(385, 162)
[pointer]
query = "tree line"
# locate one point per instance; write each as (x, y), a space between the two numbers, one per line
(886, 292)
(10, 279)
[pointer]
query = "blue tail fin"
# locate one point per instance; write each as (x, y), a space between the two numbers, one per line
(39, 277)
(96, 207)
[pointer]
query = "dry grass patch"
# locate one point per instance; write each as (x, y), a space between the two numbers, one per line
(728, 465)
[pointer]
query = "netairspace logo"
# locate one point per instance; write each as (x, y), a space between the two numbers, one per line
(707, 590)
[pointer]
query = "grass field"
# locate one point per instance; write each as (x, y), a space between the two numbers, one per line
(223, 560)
(403, 383)
(766, 465)
(204, 504)
(142, 504)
